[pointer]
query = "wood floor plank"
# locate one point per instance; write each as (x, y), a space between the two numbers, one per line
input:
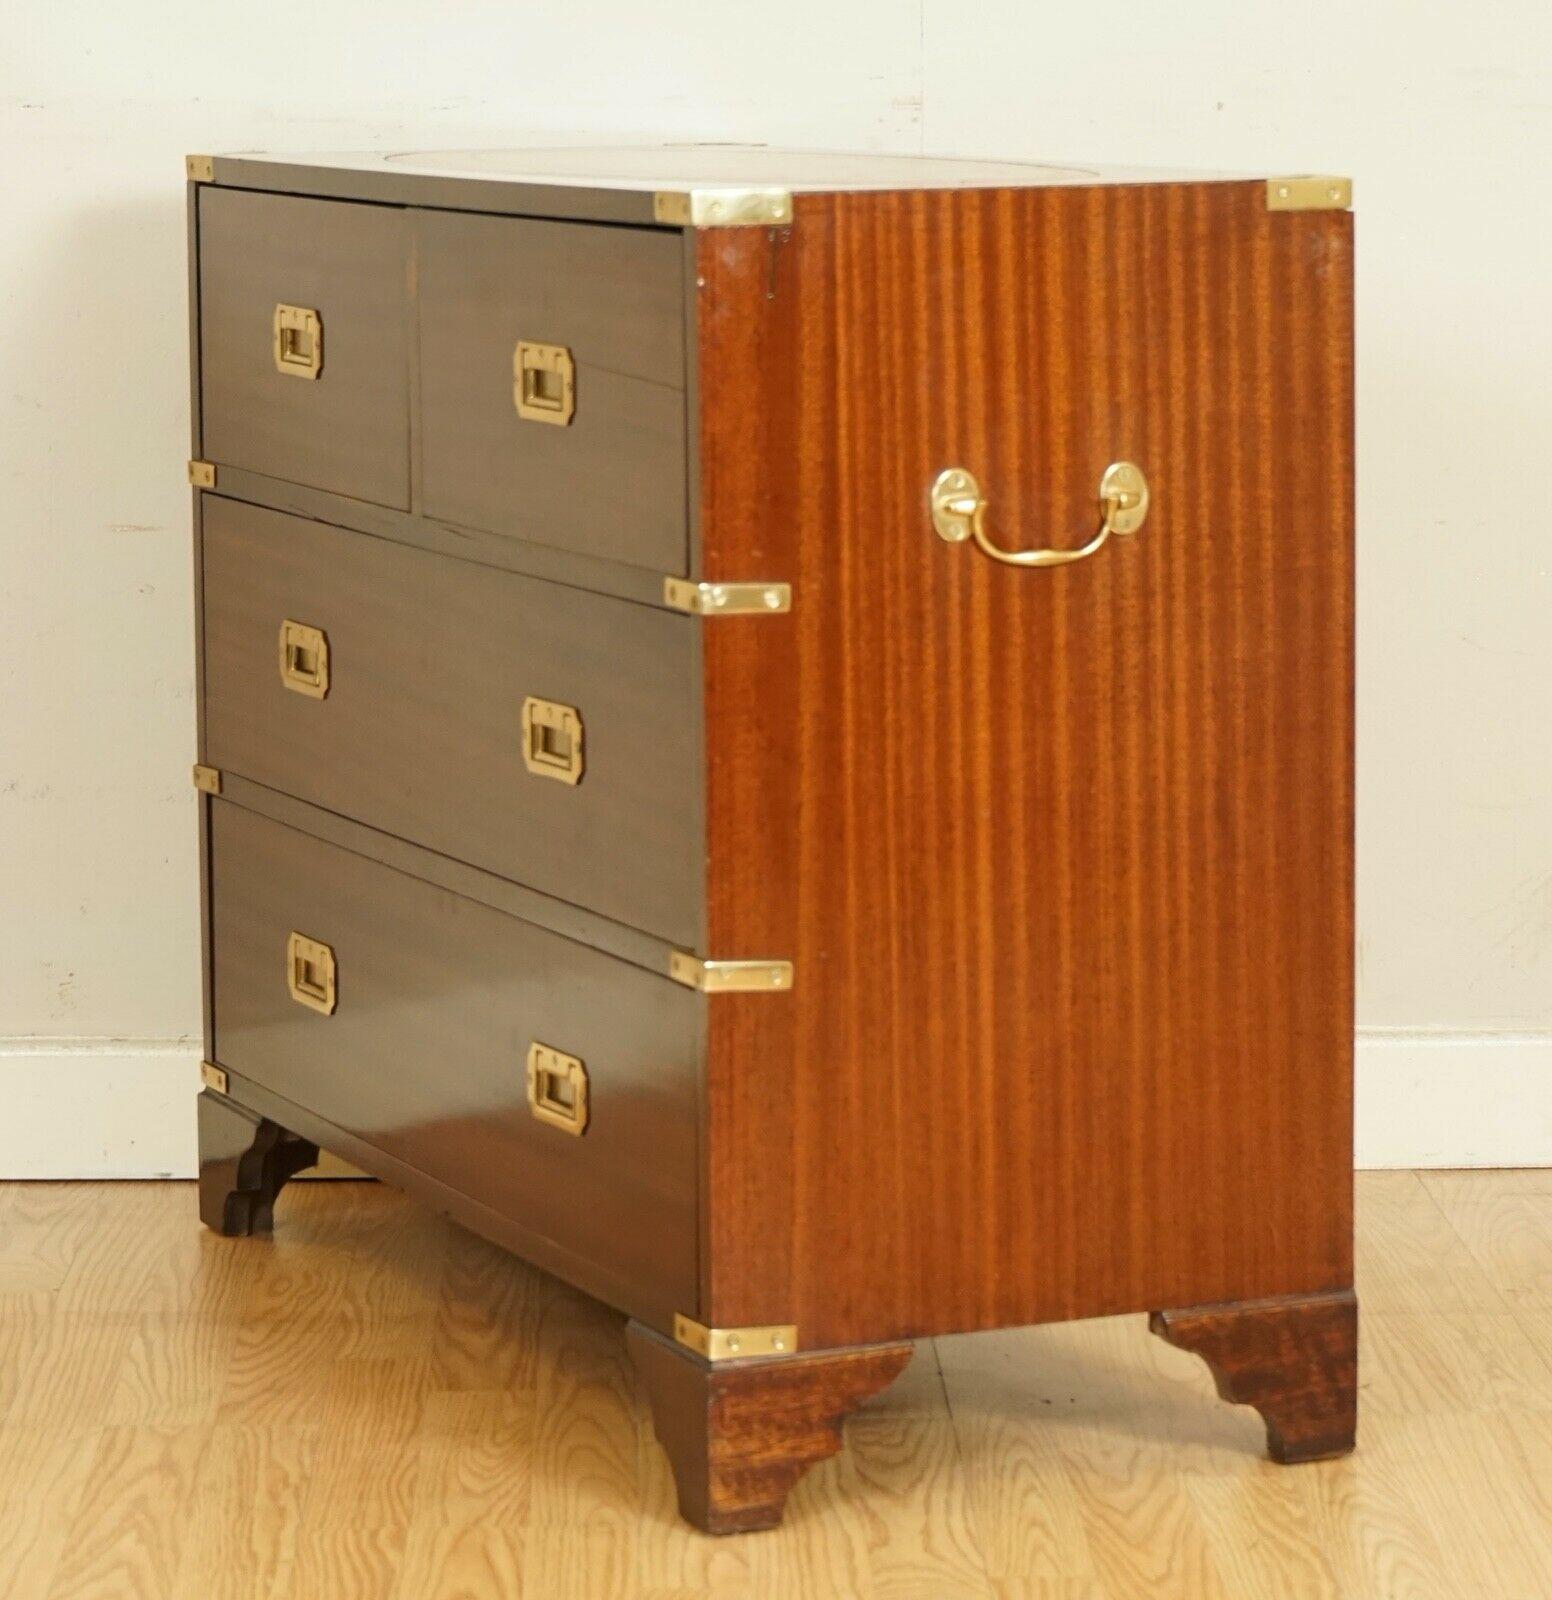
(126, 1541)
(1409, 1258)
(1377, 1540)
(1449, 1363)
(241, 1525)
(1488, 1527)
(1264, 1534)
(1510, 1238)
(902, 1472)
(1485, 1183)
(376, 1406)
(42, 1472)
(586, 1436)
(1144, 1532)
(1027, 1514)
(484, 1333)
(355, 1521)
(471, 1497)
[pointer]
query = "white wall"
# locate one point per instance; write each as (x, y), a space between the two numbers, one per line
(1441, 113)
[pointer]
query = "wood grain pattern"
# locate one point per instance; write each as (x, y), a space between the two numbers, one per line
(347, 430)
(1064, 858)
(609, 484)
(376, 1351)
(420, 734)
(1294, 1359)
(424, 1058)
(740, 1434)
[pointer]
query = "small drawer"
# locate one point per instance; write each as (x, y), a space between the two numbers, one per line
(426, 1049)
(541, 732)
(552, 383)
(303, 315)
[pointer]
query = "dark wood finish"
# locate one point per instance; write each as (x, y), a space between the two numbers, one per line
(501, 894)
(1294, 1359)
(196, 499)
(499, 550)
(740, 1434)
(593, 184)
(424, 1057)
(347, 430)
(445, 1191)
(420, 734)
(609, 484)
(1063, 857)
(244, 1161)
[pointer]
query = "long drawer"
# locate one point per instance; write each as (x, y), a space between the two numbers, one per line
(407, 1016)
(538, 731)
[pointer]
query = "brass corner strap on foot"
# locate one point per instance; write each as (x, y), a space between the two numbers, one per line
(735, 1344)
(207, 779)
(213, 1077)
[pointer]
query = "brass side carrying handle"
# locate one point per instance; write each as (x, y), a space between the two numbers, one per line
(959, 513)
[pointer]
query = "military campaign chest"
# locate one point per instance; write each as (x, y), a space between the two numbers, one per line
(776, 736)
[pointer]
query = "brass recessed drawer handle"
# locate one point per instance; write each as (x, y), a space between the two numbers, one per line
(298, 341)
(557, 1088)
(959, 513)
(552, 740)
(304, 659)
(544, 382)
(310, 974)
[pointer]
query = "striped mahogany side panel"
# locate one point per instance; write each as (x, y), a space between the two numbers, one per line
(1063, 857)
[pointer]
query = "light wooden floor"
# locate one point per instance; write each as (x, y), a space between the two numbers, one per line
(377, 1406)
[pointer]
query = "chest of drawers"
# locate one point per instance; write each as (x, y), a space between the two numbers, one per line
(776, 736)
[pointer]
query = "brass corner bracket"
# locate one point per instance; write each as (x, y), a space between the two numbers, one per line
(733, 1344)
(213, 1077)
(200, 169)
(729, 977)
(202, 474)
(722, 208)
(727, 599)
(1309, 194)
(207, 779)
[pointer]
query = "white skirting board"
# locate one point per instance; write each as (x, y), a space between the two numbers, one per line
(104, 1108)
(124, 1108)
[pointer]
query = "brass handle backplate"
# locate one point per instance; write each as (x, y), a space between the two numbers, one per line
(959, 512)
(304, 659)
(310, 974)
(544, 382)
(557, 1088)
(552, 740)
(298, 341)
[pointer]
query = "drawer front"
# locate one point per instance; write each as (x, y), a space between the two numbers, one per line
(436, 1002)
(304, 314)
(420, 727)
(609, 482)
